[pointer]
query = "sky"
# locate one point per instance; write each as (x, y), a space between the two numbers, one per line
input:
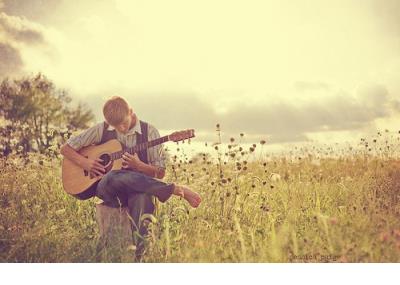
(284, 71)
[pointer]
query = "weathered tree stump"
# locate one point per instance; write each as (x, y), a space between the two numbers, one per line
(114, 226)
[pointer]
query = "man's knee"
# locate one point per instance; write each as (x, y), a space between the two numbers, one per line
(106, 184)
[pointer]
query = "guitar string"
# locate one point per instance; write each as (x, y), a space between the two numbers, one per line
(140, 147)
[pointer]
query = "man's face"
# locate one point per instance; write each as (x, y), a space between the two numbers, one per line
(124, 127)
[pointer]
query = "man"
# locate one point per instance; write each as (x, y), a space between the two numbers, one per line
(136, 183)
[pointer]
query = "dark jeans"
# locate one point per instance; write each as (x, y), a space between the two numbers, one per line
(134, 190)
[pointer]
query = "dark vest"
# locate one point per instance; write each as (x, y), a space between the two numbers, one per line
(111, 135)
(140, 138)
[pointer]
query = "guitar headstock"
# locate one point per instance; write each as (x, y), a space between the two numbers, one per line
(181, 135)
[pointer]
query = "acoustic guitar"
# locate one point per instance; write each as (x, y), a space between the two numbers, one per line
(82, 184)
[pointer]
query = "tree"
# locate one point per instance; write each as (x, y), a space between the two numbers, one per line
(35, 115)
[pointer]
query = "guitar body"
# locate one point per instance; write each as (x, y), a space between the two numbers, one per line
(77, 181)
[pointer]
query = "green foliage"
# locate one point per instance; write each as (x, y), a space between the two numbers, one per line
(34, 115)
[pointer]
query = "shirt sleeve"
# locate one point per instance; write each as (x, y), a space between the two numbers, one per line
(87, 137)
(156, 154)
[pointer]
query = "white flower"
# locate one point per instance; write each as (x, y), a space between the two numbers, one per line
(274, 177)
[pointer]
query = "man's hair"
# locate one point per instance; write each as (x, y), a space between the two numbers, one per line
(115, 110)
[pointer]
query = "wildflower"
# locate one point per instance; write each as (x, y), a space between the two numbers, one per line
(241, 134)
(232, 140)
(262, 142)
(275, 177)
(333, 221)
(251, 149)
(384, 236)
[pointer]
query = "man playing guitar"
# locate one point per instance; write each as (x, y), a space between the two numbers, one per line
(140, 177)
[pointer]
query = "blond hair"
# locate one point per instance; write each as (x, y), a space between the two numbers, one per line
(115, 110)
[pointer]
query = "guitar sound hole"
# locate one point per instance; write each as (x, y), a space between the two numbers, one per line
(105, 159)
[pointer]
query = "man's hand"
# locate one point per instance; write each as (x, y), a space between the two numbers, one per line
(131, 161)
(94, 166)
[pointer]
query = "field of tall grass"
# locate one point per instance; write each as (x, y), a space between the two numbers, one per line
(311, 204)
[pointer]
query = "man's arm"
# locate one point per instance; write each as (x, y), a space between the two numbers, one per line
(156, 157)
(152, 171)
(133, 162)
(92, 165)
(156, 154)
(71, 147)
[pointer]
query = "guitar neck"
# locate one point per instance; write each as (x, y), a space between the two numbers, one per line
(140, 147)
(146, 145)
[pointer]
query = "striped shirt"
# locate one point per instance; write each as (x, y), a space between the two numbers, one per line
(155, 155)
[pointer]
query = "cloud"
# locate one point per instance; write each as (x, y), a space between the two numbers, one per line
(34, 10)
(338, 113)
(20, 30)
(279, 122)
(16, 35)
(10, 61)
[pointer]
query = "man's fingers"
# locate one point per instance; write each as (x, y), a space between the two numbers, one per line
(127, 154)
(99, 165)
(99, 168)
(97, 172)
(99, 160)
